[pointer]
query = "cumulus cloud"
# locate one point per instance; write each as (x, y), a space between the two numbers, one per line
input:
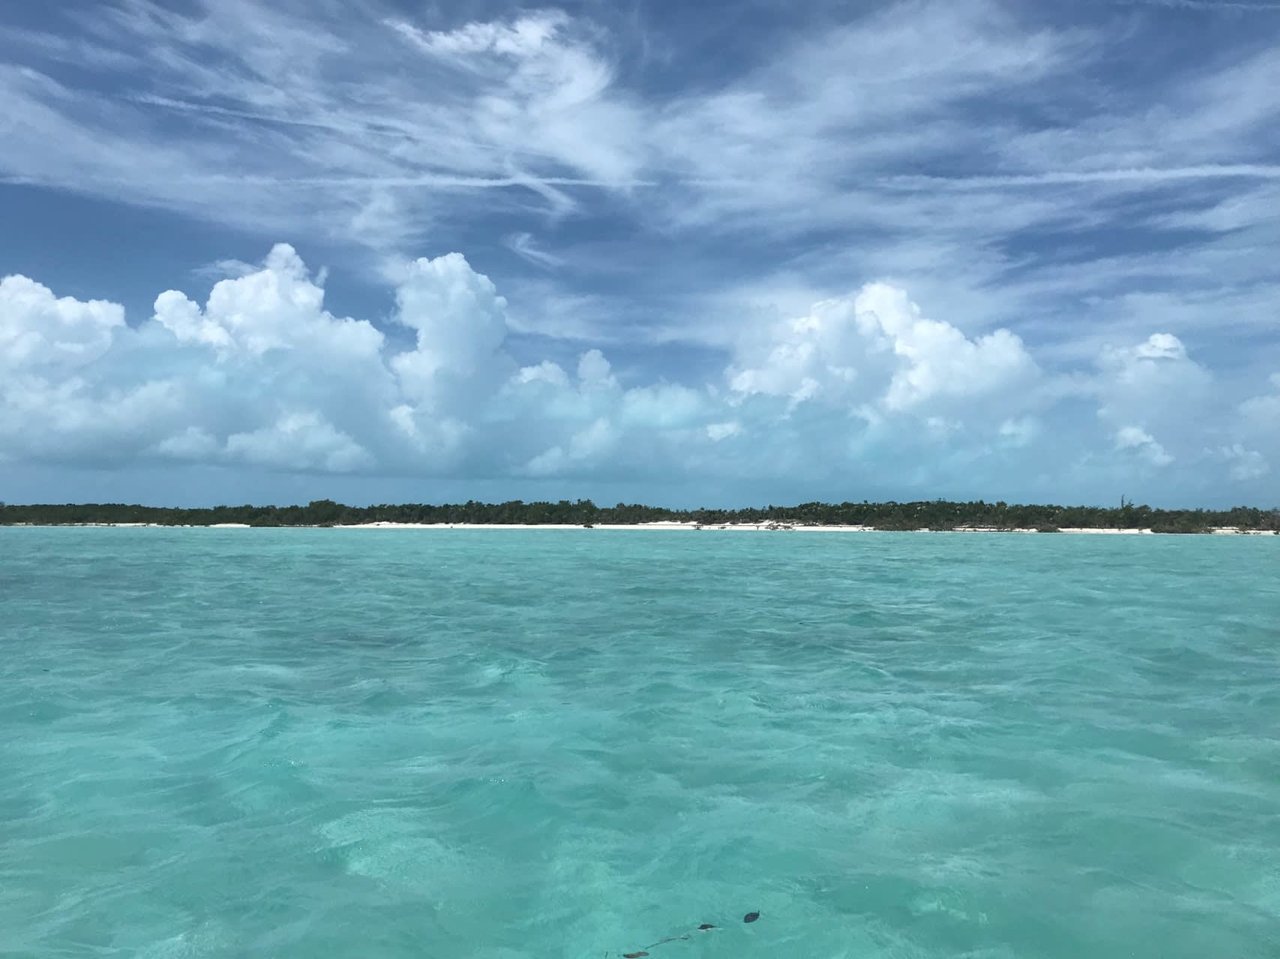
(588, 422)
(589, 443)
(193, 443)
(60, 397)
(1155, 388)
(458, 362)
(1244, 464)
(78, 421)
(1143, 444)
(811, 357)
(722, 431)
(41, 331)
(1160, 346)
(1257, 431)
(1261, 414)
(1020, 431)
(595, 372)
(460, 322)
(262, 376)
(877, 348)
(277, 307)
(937, 360)
(299, 441)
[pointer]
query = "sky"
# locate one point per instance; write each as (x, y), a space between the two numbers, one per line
(715, 254)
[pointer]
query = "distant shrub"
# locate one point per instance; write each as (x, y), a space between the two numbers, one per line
(1179, 528)
(898, 526)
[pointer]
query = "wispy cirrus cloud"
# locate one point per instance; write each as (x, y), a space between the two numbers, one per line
(316, 118)
(1208, 6)
(1247, 171)
(324, 117)
(525, 246)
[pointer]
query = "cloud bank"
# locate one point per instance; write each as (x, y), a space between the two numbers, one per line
(260, 376)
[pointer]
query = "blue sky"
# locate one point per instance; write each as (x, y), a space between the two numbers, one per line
(677, 253)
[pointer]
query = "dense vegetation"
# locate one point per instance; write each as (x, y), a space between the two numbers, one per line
(937, 515)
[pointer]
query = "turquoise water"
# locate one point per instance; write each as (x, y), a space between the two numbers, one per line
(331, 743)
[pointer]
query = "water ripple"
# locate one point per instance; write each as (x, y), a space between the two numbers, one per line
(298, 743)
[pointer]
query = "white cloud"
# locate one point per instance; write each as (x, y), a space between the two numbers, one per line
(804, 358)
(663, 406)
(262, 377)
(291, 117)
(940, 360)
(39, 330)
(800, 136)
(457, 362)
(1156, 386)
(1131, 438)
(1210, 6)
(460, 322)
(193, 443)
(1245, 464)
(77, 421)
(543, 86)
(545, 372)
(594, 371)
(585, 446)
(299, 442)
(1256, 426)
(329, 123)
(906, 143)
(519, 39)
(277, 307)
(1160, 346)
(524, 246)
(1160, 360)
(1261, 414)
(878, 348)
(722, 431)
(1020, 431)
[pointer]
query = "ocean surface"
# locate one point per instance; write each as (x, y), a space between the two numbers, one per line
(495, 744)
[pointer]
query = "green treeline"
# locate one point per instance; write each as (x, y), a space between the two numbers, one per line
(936, 515)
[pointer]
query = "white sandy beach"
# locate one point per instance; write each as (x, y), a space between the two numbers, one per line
(771, 527)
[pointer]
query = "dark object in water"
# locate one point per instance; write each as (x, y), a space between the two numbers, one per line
(751, 917)
(705, 927)
(668, 939)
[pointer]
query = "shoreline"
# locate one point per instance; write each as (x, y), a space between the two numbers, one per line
(767, 527)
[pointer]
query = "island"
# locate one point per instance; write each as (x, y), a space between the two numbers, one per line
(934, 515)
